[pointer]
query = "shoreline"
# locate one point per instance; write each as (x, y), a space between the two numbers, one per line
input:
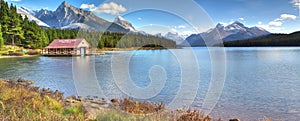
(134, 48)
(101, 51)
(26, 56)
(91, 107)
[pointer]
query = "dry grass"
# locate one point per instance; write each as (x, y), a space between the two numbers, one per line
(140, 107)
(33, 52)
(194, 115)
(20, 101)
(136, 110)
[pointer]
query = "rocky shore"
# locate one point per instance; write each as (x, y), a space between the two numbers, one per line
(21, 96)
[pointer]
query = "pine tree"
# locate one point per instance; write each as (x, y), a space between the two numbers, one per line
(44, 38)
(4, 19)
(100, 44)
(1, 38)
(15, 27)
(54, 34)
(28, 33)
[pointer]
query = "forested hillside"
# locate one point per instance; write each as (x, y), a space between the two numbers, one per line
(292, 39)
(18, 31)
(122, 40)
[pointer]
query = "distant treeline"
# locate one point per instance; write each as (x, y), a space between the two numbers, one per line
(122, 40)
(292, 39)
(16, 30)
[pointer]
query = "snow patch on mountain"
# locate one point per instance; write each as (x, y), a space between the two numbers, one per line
(67, 16)
(26, 12)
(175, 36)
(78, 26)
(231, 32)
(124, 23)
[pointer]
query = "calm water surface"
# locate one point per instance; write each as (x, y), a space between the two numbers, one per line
(259, 81)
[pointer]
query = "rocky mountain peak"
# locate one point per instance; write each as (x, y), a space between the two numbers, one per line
(124, 23)
(64, 4)
(231, 32)
(238, 23)
(220, 25)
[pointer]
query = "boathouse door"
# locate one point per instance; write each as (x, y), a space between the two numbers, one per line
(82, 51)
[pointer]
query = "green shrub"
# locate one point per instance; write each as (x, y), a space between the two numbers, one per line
(116, 116)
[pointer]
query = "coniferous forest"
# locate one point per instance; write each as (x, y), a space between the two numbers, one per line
(292, 39)
(20, 31)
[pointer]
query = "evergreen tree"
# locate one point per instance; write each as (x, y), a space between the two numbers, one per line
(1, 38)
(15, 29)
(4, 19)
(28, 33)
(100, 44)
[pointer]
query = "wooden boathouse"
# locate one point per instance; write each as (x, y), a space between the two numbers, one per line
(67, 47)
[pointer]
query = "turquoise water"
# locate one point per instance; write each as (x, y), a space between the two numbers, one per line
(259, 81)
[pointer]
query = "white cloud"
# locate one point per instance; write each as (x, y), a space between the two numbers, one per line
(270, 28)
(173, 30)
(109, 8)
(279, 21)
(275, 23)
(181, 27)
(224, 23)
(296, 3)
(139, 19)
(287, 16)
(259, 23)
(187, 33)
(87, 6)
(242, 19)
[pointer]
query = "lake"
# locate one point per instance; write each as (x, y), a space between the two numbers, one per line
(259, 82)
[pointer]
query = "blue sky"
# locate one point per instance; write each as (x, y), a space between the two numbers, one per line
(277, 16)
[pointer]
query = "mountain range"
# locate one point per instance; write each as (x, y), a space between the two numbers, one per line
(231, 32)
(26, 12)
(67, 16)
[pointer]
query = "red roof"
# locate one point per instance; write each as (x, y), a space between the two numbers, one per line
(65, 43)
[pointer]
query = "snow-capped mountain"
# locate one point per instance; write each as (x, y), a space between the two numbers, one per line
(77, 26)
(175, 37)
(142, 32)
(43, 14)
(158, 35)
(178, 38)
(240, 31)
(67, 16)
(124, 23)
(234, 31)
(26, 12)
